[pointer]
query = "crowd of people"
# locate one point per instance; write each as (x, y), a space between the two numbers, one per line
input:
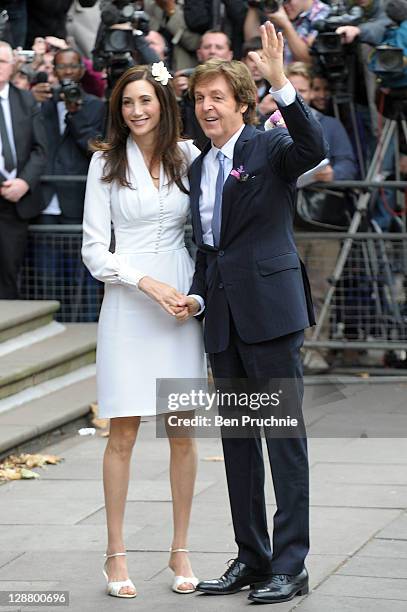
(47, 62)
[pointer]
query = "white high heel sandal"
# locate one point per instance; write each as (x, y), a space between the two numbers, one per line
(178, 580)
(113, 588)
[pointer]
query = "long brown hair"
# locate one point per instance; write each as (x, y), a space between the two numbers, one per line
(166, 147)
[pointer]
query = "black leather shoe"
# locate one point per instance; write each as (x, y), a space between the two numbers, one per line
(237, 576)
(281, 587)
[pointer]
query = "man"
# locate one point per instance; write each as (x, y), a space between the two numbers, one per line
(255, 295)
(295, 19)
(70, 125)
(22, 161)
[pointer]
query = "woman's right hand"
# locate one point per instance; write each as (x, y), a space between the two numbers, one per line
(163, 294)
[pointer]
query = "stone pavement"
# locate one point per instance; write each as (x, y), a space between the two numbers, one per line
(52, 533)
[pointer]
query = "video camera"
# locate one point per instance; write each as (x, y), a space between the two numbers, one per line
(115, 47)
(328, 46)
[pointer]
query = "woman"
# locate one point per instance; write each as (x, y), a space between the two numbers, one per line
(137, 181)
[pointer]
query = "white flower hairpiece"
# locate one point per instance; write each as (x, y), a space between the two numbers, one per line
(160, 73)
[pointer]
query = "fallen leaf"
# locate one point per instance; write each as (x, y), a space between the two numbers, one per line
(28, 473)
(10, 474)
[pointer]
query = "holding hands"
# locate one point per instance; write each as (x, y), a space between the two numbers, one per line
(172, 301)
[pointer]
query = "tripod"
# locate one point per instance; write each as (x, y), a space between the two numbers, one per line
(388, 136)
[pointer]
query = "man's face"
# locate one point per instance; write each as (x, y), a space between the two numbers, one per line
(6, 65)
(320, 93)
(294, 7)
(214, 45)
(217, 111)
(254, 71)
(302, 85)
(157, 43)
(68, 66)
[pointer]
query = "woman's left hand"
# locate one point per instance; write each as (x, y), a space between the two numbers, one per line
(165, 295)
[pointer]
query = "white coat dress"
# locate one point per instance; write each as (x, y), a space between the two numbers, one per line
(137, 340)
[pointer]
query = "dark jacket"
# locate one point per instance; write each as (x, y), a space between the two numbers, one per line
(31, 149)
(374, 23)
(256, 273)
(227, 15)
(69, 152)
(341, 155)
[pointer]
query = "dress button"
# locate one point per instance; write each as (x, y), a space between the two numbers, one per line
(221, 253)
(220, 286)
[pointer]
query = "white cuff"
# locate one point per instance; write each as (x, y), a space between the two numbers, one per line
(284, 96)
(200, 301)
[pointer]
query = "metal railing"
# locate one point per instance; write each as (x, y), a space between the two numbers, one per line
(358, 280)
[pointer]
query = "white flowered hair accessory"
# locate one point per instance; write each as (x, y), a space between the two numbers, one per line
(160, 73)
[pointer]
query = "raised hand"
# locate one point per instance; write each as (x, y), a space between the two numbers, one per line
(270, 59)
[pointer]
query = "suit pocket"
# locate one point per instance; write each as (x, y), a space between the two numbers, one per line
(288, 261)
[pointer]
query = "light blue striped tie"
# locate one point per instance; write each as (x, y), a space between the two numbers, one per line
(217, 209)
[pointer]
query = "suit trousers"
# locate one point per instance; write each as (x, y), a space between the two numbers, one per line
(13, 239)
(261, 365)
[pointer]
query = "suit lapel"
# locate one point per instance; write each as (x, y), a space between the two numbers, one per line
(247, 134)
(195, 194)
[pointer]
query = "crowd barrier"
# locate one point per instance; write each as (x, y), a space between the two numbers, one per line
(368, 302)
(358, 279)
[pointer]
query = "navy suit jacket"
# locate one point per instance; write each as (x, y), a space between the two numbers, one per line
(31, 149)
(256, 274)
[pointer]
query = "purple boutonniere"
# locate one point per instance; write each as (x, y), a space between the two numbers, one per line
(240, 174)
(275, 120)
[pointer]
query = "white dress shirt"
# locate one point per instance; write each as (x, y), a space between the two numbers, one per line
(210, 166)
(5, 104)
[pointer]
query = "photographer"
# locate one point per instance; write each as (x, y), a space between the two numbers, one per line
(121, 39)
(71, 119)
(373, 26)
(294, 18)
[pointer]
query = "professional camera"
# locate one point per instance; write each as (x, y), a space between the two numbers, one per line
(117, 49)
(71, 91)
(269, 6)
(328, 47)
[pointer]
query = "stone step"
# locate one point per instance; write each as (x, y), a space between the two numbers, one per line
(67, 351)
(28, 421)
(21, 316)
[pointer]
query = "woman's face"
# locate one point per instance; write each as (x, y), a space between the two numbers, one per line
(141, 109)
